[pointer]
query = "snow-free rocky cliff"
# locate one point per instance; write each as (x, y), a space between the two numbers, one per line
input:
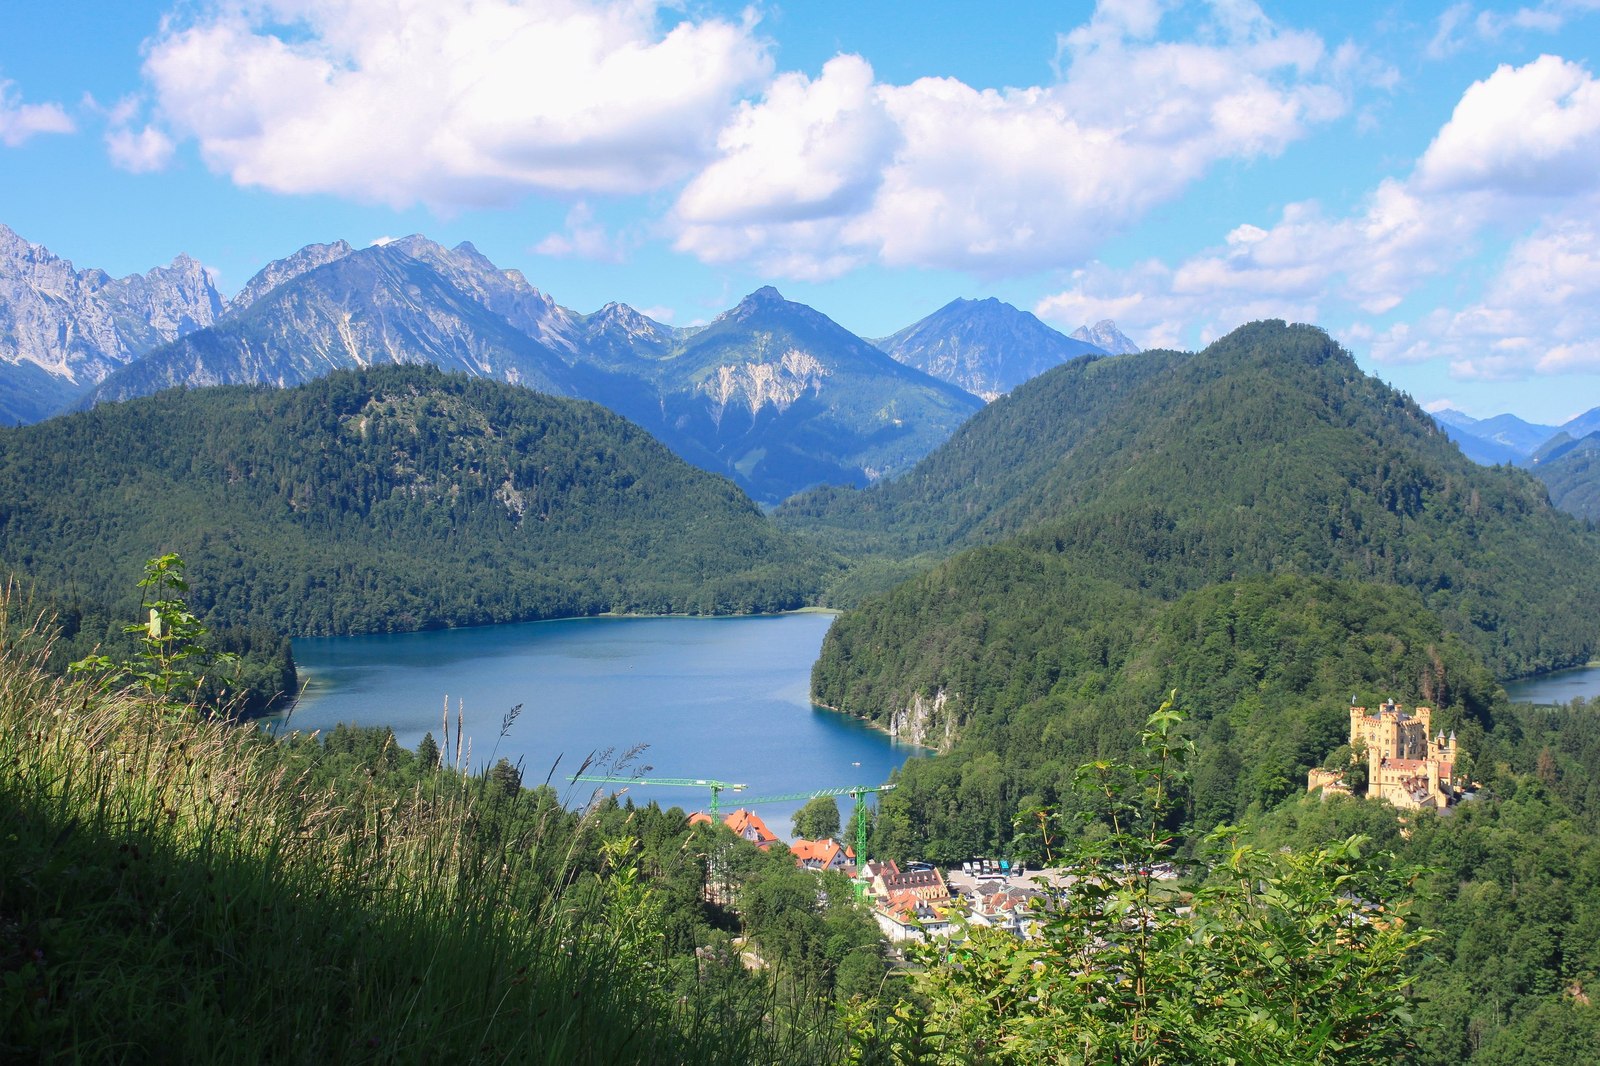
(63, 330)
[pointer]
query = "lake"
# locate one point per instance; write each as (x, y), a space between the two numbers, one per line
(1561, 686)
(722, 698)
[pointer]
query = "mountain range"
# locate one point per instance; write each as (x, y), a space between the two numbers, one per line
(772, 394)
(1506, 438)
(62, 330)
(1559, 456)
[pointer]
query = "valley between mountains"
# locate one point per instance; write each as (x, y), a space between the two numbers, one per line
(1034, 540)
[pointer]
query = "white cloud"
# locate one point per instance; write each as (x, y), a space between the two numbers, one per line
(1167, 308)
(1529, 130)
(583, 239)
(1540, 314)
(1459, 24)
(20, 122)
(139, 152)
(465, 102)
(1547, 17)
(1516, 140)
(1449, 31)
(823, 175)
(1294, 270)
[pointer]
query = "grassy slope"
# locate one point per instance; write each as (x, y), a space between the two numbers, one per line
(177, 890)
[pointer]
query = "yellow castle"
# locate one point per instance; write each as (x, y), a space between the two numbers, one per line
(1405, 765)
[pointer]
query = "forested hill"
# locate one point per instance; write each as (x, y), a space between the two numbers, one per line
(1268, 452)
(388, 499)
(1029, 670)
(1572, 474)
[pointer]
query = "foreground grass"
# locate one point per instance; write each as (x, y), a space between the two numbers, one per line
(183, 890)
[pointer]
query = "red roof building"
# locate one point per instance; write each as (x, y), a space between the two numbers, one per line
(823, 855)
(748, 824)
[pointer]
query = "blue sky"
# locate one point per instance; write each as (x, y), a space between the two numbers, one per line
(1421, 179)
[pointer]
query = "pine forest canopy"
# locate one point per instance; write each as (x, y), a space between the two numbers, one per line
(1258, 525)
(1268, 452)
(389, 499)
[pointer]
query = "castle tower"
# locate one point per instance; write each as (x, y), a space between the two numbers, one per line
(1407, 764)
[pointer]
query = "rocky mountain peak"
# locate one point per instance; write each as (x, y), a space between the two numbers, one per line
(986, 347)
(764, 300)
(1105, 335)
(78, 326)
(505, 292)
(280, 271)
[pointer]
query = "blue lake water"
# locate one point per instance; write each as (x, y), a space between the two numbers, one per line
(721, 698)
(1562, 686)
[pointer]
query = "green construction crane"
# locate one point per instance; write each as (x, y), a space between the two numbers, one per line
(860, 792)
(716, 787)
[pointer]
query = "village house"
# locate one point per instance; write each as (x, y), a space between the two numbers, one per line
(924, 882)
(745, 824)
(825, 854)
(904, 917)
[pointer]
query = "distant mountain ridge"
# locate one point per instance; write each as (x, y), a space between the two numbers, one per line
(986, 347)
(63, 329)
(783, 397)
(375, 306)
(772, 394)
(1574, 484)
(282, 271)
(1501, 439)
(1505, 438)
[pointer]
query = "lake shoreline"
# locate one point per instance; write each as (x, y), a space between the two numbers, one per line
(1556, 687)
(725, 700)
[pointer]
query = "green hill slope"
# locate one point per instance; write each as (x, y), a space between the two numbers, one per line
(1572, 475)
(390, 499)
(1020, 682)
(1269, 452)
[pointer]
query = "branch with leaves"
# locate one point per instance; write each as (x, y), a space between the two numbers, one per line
(173, 659)
(1269, 956)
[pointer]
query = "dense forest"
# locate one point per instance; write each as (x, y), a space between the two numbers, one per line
(1265, 669)
(384, 500)
(1268, 452)
(1280, 534)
